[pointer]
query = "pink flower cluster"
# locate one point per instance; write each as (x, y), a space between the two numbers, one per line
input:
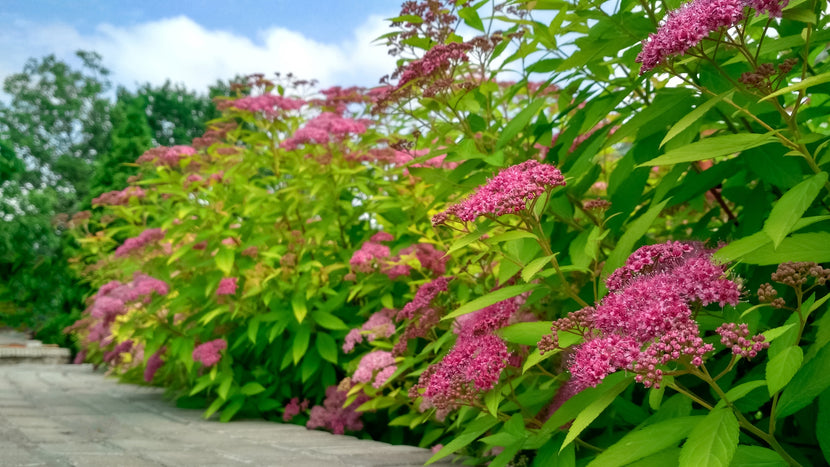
(421, 314)
(379, 325)
(372, 256)
(508, 192)
(436, 60)
(153, 364)
(337, 99)
(227, 286)
(736, 337)
(136, 243)
(167, 156)
(210, 352)
(270, 105)
(113, 356)
(687, 26)
(475, 362)
(472, 366)
(112, 300)
(647, 319)
(377, 365)
(293, 408)
(333, 416)
(324, 128)
(119, 197)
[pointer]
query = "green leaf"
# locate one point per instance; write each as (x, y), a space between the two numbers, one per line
(492, 400)
(519, 123)
(740, 391)
(534, 267)
(225, 385)
(471, 18)
(739, 248)
(525, 333)
(252, 388)
(711, 147)
(792, 206)
(326, 347)
(300, 344)
(231, 409)
(298, 305)
(595, 408)
(774, 333)
(814, 246)
(646, 441)
(713, 441)
(224, 260)
(782, 368)
(811, 380)
(694, 116)
(491, 298)
(414, 19)
(253, 329)
(328, 320)
(469, 238)
(806, 83)
(566, 339)
(823, 424)
(756, 456)
(474, 429)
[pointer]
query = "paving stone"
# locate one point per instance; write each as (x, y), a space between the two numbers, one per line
(71, 415)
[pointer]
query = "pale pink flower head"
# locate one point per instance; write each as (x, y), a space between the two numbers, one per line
(268, 105)
(136, 243)
(153, 364)
(508, 192)
(377, 365)
(210, 352)
(227, 286)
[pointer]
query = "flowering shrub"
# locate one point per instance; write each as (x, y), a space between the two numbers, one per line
(515, 251)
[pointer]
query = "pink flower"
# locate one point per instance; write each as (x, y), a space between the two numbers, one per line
(167, 156)
(366, 259)
(270, 105)
(137, 243)
(437, 59)
(153, 364)
(293, 408)
(508, 192)
(686, 27)
(209, 353)
(379, 361)
(379, 325)
(333, 416)
(324, 128)
(736, 337)
(119, 198)
(227, 286)
(472, 366)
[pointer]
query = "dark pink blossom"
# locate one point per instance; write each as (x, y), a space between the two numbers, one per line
(508, 192)
(153, 364)
(293, 408)
(736, 337)
(210, 352)
(324, 128)
(436, 60)
(686, 27)
(166, 156)
(119, 197)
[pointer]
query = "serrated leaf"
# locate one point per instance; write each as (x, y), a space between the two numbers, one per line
(709, 148)
(694, 116)
(781, 368)
(790, 207)
(813, 246)
(713, 441)
(490, 299)
(646, 441)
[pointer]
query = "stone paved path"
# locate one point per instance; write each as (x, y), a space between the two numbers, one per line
(69, 415)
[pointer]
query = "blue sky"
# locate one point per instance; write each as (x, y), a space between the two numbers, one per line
(199, 41)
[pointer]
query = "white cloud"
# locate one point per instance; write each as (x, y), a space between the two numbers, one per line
(183, 51)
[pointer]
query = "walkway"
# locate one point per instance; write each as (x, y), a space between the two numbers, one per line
(70, 415)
